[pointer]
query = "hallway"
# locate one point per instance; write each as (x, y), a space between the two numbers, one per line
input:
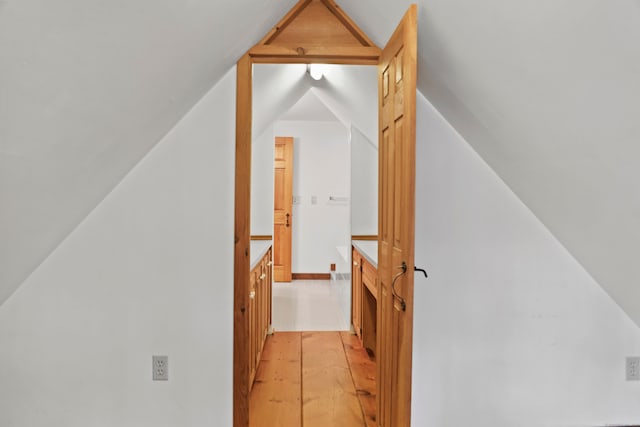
(313, 379)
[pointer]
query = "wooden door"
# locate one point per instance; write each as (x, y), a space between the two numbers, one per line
(282, 218)
(396, 210)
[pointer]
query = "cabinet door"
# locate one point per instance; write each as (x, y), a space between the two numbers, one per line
(356, 293)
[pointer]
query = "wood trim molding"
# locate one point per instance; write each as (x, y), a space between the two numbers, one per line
(241, 260)
(311, 276)
(261, 237)
(364, 237)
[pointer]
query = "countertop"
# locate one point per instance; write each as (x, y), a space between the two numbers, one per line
(368, 249)
(257, 250)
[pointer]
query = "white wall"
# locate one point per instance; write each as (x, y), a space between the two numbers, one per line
(148, 272)
(262, 152)
(321, 169)
(509, 329)
(364, 184)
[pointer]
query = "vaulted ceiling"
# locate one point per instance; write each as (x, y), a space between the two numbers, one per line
(546, 92)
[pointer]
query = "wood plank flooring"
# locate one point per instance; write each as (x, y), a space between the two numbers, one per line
(313, 379)
(363, 371)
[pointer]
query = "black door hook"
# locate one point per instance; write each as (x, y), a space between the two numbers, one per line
(421, 271)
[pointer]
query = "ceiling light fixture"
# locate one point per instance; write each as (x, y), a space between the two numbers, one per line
(316, 71)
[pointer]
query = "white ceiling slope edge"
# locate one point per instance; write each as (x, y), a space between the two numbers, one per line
(546, 92)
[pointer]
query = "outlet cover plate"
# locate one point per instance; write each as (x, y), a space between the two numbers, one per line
(633, 368)
(160, 366)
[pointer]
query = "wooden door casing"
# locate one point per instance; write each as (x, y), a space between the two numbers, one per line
(397, 117)
(282, 212)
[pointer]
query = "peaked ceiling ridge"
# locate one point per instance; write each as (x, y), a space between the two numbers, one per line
(312, 92)
(340, 117)
(284, 110)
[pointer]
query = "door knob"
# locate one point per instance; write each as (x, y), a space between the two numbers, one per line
(287, 224)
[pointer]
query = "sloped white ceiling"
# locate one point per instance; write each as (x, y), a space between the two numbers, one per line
(87, 87)
(547, 92)
(348, 92)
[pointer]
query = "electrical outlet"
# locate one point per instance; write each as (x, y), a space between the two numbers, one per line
(633, 369)
(160, 366)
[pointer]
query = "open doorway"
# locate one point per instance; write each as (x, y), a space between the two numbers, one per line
(332, 124)
(332, 158)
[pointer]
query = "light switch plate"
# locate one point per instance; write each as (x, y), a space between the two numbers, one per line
(633, 368)
(160, 366)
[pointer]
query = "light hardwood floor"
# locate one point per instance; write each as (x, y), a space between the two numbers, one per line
(313, 379)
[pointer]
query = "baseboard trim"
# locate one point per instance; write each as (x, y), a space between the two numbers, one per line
(364, 237)
(264, 237)
(311, 276)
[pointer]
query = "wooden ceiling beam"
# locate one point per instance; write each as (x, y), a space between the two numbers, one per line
(315, 54)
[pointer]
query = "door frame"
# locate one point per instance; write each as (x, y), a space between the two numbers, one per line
(242, 225)
(267, 52)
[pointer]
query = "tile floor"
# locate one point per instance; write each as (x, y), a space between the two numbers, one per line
(310, 305)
